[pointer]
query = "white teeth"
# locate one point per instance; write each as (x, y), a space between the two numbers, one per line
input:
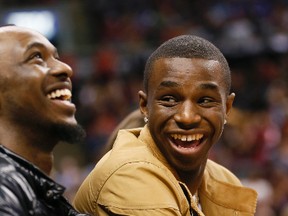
(187, 137)
(64, 94)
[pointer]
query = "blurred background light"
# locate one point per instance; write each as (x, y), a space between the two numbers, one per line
(43, 21)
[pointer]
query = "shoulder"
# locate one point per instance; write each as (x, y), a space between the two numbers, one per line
(131, 179)
(13, 189)
(113, 171)
(220, 173)
(7, 165)
(222, 190)
(142, 185)
(11, 177)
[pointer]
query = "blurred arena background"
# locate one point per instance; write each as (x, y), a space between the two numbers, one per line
(107, 43)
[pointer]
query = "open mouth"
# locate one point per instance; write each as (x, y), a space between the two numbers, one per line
(187, 141)
(60, 94)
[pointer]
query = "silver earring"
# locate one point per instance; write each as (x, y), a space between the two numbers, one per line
(225, 121)
(146, 119)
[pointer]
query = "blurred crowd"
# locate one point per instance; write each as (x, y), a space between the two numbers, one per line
(114, 39)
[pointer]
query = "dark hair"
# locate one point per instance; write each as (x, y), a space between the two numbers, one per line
(5, 25)
(188, 46)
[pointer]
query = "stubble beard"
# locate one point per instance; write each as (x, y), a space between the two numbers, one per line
(58, 131)
(72, 134)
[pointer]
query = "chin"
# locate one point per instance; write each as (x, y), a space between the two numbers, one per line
(71, 133)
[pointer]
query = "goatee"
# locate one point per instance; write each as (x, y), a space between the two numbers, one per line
(72, 134)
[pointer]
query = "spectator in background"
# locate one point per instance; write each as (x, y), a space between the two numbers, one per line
(163, 168)
(36, 113)
(132, 120)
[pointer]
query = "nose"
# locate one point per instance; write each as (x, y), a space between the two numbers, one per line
(187, 115)
(61, 69)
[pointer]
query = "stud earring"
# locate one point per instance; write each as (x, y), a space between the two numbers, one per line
(225, 121)
(146, 119)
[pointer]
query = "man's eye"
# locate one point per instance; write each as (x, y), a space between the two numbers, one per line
(205, 100)
(169, 99)
(36, 55)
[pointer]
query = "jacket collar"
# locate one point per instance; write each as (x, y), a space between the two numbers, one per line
(212, 191)
(146, 137)
(42, 184)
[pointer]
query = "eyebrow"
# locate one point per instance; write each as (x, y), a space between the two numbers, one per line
(40, 45)
(169, 84)
(202, 85)
(212, 86)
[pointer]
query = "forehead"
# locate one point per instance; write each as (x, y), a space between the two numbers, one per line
(184, 68)
(16, 37)
(186, 73)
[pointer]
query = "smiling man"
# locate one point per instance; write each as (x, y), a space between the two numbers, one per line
(36, 113)
(163, 168)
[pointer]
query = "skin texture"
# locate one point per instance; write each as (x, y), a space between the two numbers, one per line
(186, 96)
(30, 69)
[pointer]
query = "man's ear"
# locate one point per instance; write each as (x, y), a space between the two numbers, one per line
(143, 103)
(229, 103)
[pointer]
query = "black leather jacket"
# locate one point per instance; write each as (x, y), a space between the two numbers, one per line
(25, 190)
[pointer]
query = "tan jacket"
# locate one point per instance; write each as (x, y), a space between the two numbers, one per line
(135, 179)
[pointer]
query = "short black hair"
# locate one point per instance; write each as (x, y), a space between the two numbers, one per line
(5, 25)
(188, 46)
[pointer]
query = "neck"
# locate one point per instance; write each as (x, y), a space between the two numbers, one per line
(192, 182)
(38, 157)
(192, 179)
(34, 146)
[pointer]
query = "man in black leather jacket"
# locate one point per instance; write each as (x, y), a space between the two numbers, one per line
(36, 113)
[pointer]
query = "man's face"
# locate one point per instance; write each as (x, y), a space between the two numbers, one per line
(35, 86)
(186, 105)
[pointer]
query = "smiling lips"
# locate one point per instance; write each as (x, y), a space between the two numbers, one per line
(187, 141)
(60, 94)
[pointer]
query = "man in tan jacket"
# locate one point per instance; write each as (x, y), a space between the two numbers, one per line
(163, 168)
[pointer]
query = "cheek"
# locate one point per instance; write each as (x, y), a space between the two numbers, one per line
(216, 122)
(159, 114)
